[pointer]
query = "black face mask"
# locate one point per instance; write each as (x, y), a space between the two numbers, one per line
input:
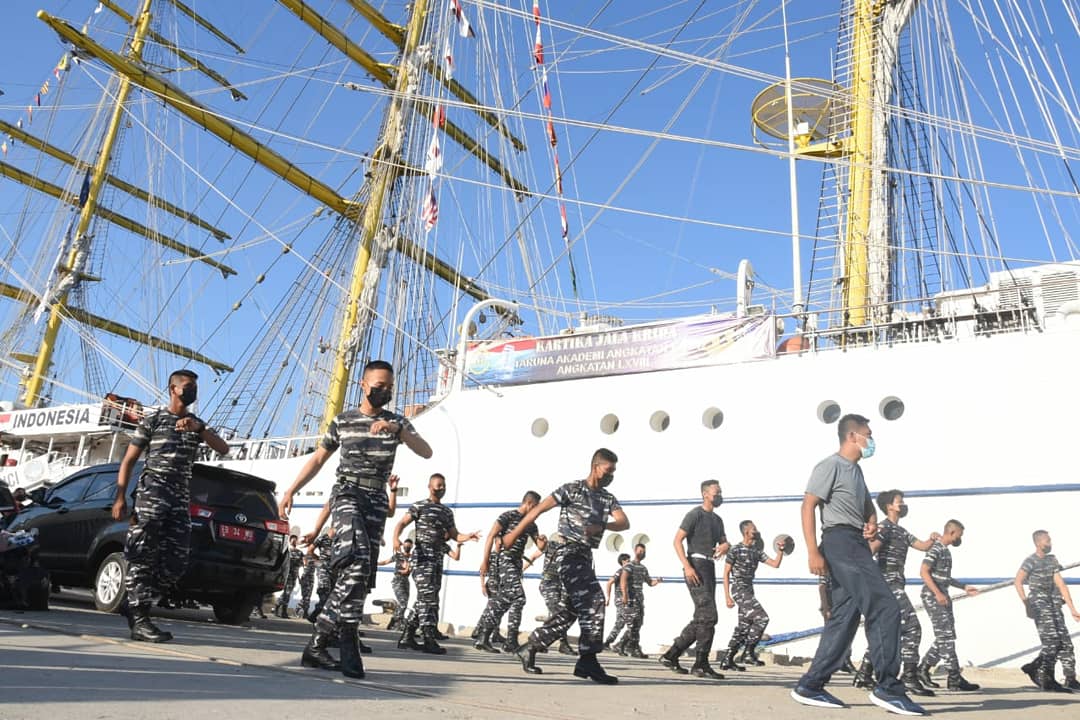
(717, 500)
(903, 509)
(606, 479)
(378, 396)
(440, 492)
(757, 543)
(189, 394)
(958, 541)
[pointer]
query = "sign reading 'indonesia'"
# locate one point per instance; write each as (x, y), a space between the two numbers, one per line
(669, 345)
(45, 421)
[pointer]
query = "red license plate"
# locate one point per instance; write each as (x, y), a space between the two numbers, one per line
(233, 532)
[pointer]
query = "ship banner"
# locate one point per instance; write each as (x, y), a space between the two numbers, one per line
(52, 421)
(693, 342)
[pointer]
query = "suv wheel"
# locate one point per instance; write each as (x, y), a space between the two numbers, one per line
(235, 610)
(109, 583)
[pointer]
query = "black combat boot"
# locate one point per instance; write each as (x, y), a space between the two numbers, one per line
(910, 678)
(364, 649)
(848, 667)
(316, 655)
(727, 659)
(636, 652)
(143, 630)
(749, 657)
(476, 632)
(1070, 683)
(923, 673)
(620, 647)
(430, 646)
(701, 667)
(864, 676)
(1032, 670)
(957, 682)
(670, 659)
(588, 668)
(511, 644)
(483, 642)
(496, 638)
(351, 664)
(408, 638)
(565, 648)
(527, 654)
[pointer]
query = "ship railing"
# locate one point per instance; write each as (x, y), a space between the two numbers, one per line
(270, 448)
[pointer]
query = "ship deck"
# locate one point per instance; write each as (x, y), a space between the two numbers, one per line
(76, 663)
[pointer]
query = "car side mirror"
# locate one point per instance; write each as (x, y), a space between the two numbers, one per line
(54, 502)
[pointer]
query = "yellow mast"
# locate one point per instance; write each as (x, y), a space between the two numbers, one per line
(86, 214)
(383, 176)
(856, 280)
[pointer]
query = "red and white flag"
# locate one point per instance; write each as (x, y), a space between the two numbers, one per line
(448, 60)
(562, 219)
(430, 213)
(464, 28)
(536, 11)
(558, 175)
(438, 118)
(538, 48)
(551, 134)
(433, 159)
(547, 93)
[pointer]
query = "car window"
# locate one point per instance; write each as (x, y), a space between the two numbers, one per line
(71, 491)
(256, 504)
(102, 487)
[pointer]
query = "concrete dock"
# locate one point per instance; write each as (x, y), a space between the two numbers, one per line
(75, 663)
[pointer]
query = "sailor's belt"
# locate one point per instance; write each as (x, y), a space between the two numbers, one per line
(361, 481)
(699, 556)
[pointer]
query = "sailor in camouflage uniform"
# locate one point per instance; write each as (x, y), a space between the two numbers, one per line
(400, 583)
(307, 582)
(634, 578)
(620, 615)
(510, 597)
(585, 507)
(937, 577)
(551, 588)
(739, 571)
(489, 584)
(296, 560)
(891, 547)
(1047, 592)
(434, 526)
(158, 541)
(368, 438)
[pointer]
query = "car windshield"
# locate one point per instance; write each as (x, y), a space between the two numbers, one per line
(225, 493)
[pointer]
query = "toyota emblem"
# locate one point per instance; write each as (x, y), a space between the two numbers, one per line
(241, 518)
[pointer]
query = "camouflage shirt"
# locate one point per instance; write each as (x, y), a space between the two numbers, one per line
(892, 555)
(582, 507)
(169, 452)
(400, 561)
(617, 578)
(1040, 576)
(744, 560)
(296, 559)
(551, 567)
(939, 558)
(364, 456)
(324, 544)
(508, 521)
(636, 577)
(433, 522)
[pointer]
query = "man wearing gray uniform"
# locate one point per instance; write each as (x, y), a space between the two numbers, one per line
(434, 526)
(307, 582)
(489, 583)
(857, 586)
(740, 568)
(510, 595)
(551, 588)
(585, 507)
(296, 560)
(158, 541)
(1047, 592)
(400, 583)
(936, 573)
(635, 577)
(368, 438)
(702, 532)
(620, 615)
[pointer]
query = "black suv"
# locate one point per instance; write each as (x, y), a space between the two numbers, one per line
(239, 549)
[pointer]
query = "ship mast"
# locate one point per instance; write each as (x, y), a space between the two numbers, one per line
(59, 308)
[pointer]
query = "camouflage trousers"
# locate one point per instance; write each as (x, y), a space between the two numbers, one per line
(702, 627)
(286, 590)
(584, 602)
(910, 629)
(400, 586)
(634, 617)
(157, 545)
(509, 598)
(554, 597)
(307, 584)
(359, 517)
(1053, 634)
(620, 622)
(427, 573)
(944, 648)
(752, 617)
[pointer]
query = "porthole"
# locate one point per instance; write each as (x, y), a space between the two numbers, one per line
(609, 423)
(891, 408)
(641, 539)
(614, 542)
(540, 427)
(659, 421)
(712, 418)
(828, 412)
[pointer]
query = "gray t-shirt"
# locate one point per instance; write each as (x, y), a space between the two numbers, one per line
(839, 483)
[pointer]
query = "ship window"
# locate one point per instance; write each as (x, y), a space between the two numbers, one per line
(609, 423)
(641, 539)
(828, 412)
(614, 542)
(891, 408)
(540, 427)
(712, 418)
(659, 421)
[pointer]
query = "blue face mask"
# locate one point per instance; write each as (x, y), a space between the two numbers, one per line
(868, 451)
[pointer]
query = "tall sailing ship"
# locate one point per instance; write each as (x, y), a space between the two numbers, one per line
(549, 220)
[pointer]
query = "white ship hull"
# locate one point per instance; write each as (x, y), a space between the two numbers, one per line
(984, 438)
